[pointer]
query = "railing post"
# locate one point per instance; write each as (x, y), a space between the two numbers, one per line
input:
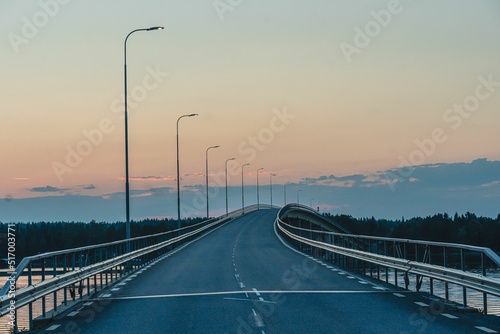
(30, 307)
(65, 267)
(445, 260)
(43, 279)
(73, 264)
(485, 296)
(462, 266)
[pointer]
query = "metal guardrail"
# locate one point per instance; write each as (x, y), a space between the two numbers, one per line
(86, 266)
(314, 213)
(394, 253)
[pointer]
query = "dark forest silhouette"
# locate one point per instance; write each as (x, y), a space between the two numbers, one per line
(40, 237)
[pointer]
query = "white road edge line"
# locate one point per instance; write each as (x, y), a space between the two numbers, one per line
(53, 327)
(486, 329)
(449, 316)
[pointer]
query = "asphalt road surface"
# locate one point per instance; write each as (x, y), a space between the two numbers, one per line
(241, 278)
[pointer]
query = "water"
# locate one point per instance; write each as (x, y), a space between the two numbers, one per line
(474, 298)
(23, 313)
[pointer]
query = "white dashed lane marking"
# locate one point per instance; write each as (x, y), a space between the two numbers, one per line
(449, 316)
(52, 328)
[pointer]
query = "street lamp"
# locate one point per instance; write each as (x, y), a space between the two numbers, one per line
(258, 186)
(226, 182)
(242, 190)
(298, 197)
(206, 172)
(178, 177)
(271, 186)
(127, 188)
(284, 192)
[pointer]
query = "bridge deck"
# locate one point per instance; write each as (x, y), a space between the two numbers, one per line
(240, 278)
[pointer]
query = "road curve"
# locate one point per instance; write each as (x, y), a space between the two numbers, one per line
(241, 278)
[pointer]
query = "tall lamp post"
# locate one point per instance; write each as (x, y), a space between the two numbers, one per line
(178, 173)
(242, 190)
(258, 204)
(206, 172)
(226, 182)
(284, 192)
(298, 197)
(271, 186)
(127, 188)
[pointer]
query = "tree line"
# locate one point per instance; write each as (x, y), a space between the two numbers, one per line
(41, 237)
(462, 229)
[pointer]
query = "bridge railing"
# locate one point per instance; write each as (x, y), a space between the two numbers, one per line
(47, 284)
(457, 264)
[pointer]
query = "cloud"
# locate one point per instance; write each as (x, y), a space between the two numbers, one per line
(430, 189)
(89, 187)
(150, 178)
(157, 192)
(480, 172)
(349, 181)
(46, 189)
(192, 175)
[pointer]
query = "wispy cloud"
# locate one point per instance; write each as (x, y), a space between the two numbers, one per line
(480, 172)
(150, 178)
(194, 187)
(162, 191)
(47, 189)
(443, 187)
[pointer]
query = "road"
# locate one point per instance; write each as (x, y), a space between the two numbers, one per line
(241, 278)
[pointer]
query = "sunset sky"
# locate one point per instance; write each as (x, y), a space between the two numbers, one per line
(331, 96)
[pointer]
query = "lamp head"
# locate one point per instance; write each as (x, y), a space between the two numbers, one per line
(155, 28)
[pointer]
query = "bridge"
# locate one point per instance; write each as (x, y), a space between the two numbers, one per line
(261, 270)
